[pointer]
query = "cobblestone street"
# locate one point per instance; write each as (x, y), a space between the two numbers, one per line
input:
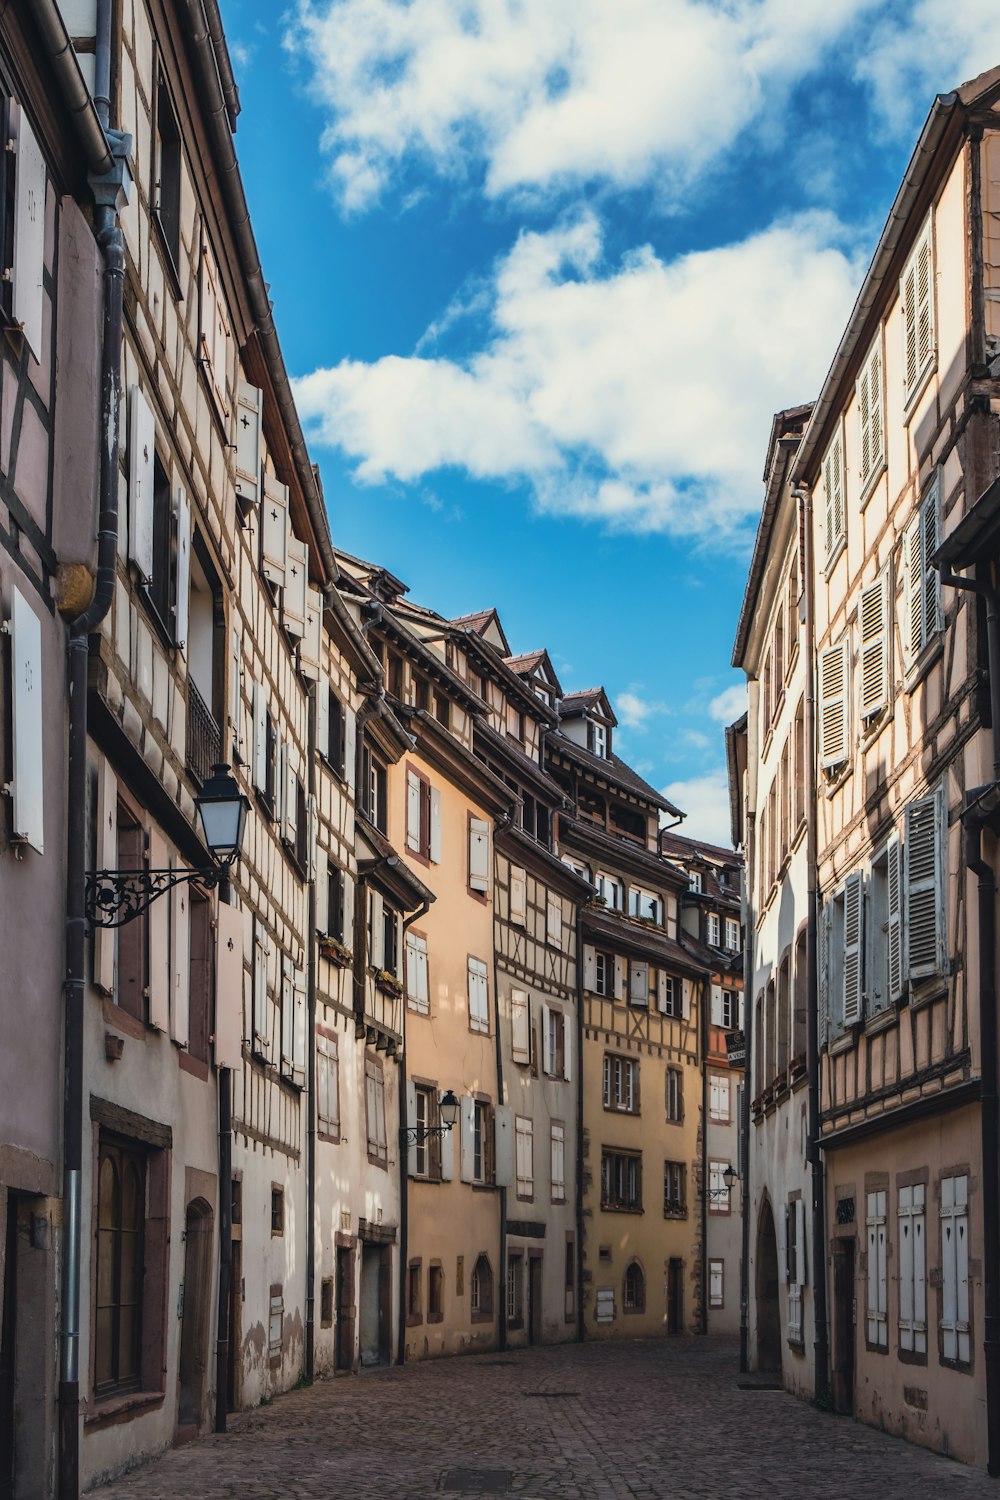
(645, 1419)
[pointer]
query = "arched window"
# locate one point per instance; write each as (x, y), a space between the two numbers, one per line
(481, 1290)
(634, 1288)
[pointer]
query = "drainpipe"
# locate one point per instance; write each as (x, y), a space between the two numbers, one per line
(225, 1245)
(499, 826)
(580, 1321)
(749, 927)
(403, 1155)
(703, 1036)
(310, 1088)
(814, 1152)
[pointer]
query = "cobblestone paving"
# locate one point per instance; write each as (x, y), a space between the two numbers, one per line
(631, 1421)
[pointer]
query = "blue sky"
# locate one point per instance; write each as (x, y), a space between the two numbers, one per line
(544, 269)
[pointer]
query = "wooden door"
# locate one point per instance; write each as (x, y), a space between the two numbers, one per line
(844, 1318)
(345, 1308)
(675, 1297)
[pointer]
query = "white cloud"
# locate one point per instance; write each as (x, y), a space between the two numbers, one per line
(728, 705)
(705, 800)
(544, 96)
(632, 711)
(928, 47)
(637, 395)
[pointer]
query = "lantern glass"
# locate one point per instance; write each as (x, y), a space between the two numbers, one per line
(449, 1109)
(222, 809)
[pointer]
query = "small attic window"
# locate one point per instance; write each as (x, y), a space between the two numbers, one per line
(597, 739)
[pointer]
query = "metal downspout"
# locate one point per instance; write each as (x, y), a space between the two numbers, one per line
(749, 928)
(703, 1035)
(310, 1080)
(403, 1155)
(225, 1245)
(499, 824)
(814, 1151)
(580, 1323)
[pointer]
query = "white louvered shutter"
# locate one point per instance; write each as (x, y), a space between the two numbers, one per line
(296, 584)
(259, 736)
(159, 919)
(311, 649)
(236, 697)
(833, 680)
(26, 702)
(182, 515)
(833, 484)
(873, 617)
(870, 414)
(141, 451)
(413, 801)
(894, 936)
(520, 1014)
(275, 530)
(917, 297)
(911, 626)
(853, 947)
(930, 577)
(248, 455)
(229, 987)
(287, 1015)
(924, 913)
(180, 943)
(28, 298)
(518, 896)
(299, 1028)
(479, 854)
(261, 1019)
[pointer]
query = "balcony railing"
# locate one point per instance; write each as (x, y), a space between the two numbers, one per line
(204, 737)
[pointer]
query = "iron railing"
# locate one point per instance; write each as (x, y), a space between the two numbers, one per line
(204, 737)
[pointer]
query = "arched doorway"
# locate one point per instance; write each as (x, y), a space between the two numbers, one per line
(195, 1327)
(768, 1308)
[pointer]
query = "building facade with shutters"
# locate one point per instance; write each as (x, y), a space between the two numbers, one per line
(900, 445)
(772, 806)
(641, 1054)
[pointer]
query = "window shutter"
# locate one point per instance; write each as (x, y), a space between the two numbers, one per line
(296, 582)
(275, 530)
(311, 649)
(375, 936)
(520, 1012)
(833, 677)
(546, 1039)
(621, 977)
(229, 987)
(686, 999)
(479, 853)
(29, 235)
(894, 893)
(287, 1015)
(833, 484)
(869, 398)
(955, 1268)
(925, 299)
(467, 1160)
(930, 577)
(347, 890)
(904, 1219)
(567, 1047)
(236, 695)
(411, 1120)
(259, 737)
(800, 1241)
(503, 1145)
(323, 720)
(105, 938)
(823, 981)
(518, 896)
(638, 982)
(141, 450)
(908, 298)
(299, 1028)
(322, 891)
(790, 1222)
(26, 702)
(289, 810)
(873, 614)
(180, 942)
(923, 927)
(853, 947)
(589, 969)
(661, 991)
(717, 1018)
(182, 519)
(261, 1019)
(249, 405)
(311, 836)
(350, 768)
(917, 295)
(911, 626)
(413, 801)
(159, 941)
(877, 1289)
(478, 995)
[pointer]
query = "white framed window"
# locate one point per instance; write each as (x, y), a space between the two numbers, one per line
(479, 1006)
(725, 1007)
(876, 1313)
(621, 1083)
(718, 1201)
(557, 1161)
(871, 415)
(524, 1156)
(555, 1043)
(833, 487)
(911, 1218)
(916, 296)
(417, 991)
(922, 617)
(675, 1096)
(645, 905)
(674, 1190)
(713, 929)
(834, 704)
(609, 891)
(955, 1320)
(515, 1288)
(670, 995)
(604, 974)
(598, 739)
(694, 882)
(719, 1098)
(732, 935)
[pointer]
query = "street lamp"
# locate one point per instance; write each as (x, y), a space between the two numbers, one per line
(448, 1108)
(114, 897)
(729, 1176)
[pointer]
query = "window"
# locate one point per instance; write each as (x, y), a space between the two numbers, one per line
(621, 1181)
(442, 709)
(479, 855)
(423, 816)
(131, 957)
(718, 1200)
(955, 1313)
(645, 906)
(524, 1145)
(795, 1265)
(375, 1112)
(912, 1226)
(554, 1042)
(557, 1162)
(515, 723)
(638, 982)
(876, 1313)
(515, 1289)
(481, 1290)
(121, 1208)
(435, 1292)
(417, 990)
(327, 1087)
(333, 739)
(326, 1302)
(390, 940)
(834, 706)
(161, 586)
(373, 790)
(870, 415)
(725, 1008)
(716, 1283)
(916, 295)
(712, 925)
(719, 1100)
(732, 935)
(833, 486)
(201, 965)
(277, 1209)
(482, 1141)
(694, 881)
(479, 1010)
(414, 1292)
(609, 891)
(922, 616)
(675, 1096)
(597, 736)
(425, 1153)
(673, 992)
(621, 1083)
(674, 1190)
(215, 337)
(167, 167)
(604, 974)
(633, 1289)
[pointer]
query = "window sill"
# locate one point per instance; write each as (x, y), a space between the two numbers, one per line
(873, 727)
(481, 1317)
(880, 1020)
(619, 1208)
(911, 398)
(834, 777)
(170, 264)
(835, 556)
(925, 991)
(116, 1409)
(675, 1215)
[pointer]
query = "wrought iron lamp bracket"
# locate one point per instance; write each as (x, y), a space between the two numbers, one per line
(115, 897)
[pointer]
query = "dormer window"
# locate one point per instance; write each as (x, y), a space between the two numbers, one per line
(598, 739)
(695, 882)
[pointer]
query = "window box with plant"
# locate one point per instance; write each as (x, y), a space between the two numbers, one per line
(332, 948)
(386, 982)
